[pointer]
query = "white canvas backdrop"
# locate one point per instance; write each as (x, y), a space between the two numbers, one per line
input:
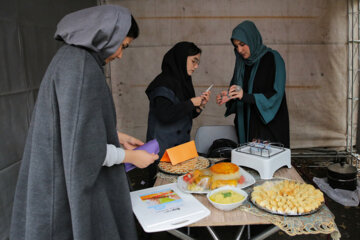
(311, 35)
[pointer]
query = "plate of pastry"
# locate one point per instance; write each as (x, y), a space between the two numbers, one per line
(203, 181)
(184, 167)
(287, 197)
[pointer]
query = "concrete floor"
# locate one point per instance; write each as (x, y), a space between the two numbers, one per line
(346, 218)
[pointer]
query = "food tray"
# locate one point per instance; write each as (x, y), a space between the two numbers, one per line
(279, 213)
(200, 164)
(249, 180)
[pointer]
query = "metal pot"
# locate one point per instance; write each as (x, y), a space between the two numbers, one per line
(342, 175)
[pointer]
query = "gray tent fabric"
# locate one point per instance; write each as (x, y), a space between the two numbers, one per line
(63, 192)
(26, 48)
(98, 28)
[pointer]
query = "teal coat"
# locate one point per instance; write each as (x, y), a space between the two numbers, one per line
(267, 107)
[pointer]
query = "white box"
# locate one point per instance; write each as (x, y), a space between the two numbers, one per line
(264, 164)
(166, 207)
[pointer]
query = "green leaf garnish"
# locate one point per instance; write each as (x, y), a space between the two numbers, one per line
(226, 194)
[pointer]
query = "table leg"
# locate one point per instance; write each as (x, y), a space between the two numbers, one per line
(268, 232)
(180, 235)
(240, 232)
(213, 234)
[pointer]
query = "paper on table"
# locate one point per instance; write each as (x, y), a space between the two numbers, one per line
(180, 153)
(151, 147)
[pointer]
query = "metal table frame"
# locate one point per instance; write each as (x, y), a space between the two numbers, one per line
(266, 233)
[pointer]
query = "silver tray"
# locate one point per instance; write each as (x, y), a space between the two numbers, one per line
(278, 213)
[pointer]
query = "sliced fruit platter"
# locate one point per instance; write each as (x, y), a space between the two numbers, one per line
(219, 175)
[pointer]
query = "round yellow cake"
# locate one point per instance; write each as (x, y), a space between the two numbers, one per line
(225, 171)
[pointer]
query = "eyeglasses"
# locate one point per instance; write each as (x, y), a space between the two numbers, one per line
(195, 62)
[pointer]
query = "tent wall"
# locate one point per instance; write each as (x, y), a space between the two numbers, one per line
(26, 48)
(311, 35)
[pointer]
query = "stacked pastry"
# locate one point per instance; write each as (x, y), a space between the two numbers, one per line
(287, 197)
(220, 174)
(223, 174)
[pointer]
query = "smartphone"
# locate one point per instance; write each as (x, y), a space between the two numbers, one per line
(209, 88)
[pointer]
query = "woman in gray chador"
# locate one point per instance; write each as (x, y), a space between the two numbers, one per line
(72, 184)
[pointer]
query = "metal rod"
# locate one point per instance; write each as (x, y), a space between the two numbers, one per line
(350, 10)
(238, 236)
(213, 234)
(180, 235)
(358, 54)
(268, 232)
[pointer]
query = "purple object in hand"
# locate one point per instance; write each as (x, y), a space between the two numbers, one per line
(151, 147)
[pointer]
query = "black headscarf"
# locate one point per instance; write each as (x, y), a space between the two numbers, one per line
(174, 73)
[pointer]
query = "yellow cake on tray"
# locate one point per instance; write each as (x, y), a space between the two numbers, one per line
(224, 173)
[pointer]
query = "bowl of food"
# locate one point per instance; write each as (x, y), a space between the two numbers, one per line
(227, 198)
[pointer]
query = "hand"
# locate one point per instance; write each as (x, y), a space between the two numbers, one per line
(236, 91)
(140, 158)
(205, 96)
(129, 142)
(222, 98)
(196, 101)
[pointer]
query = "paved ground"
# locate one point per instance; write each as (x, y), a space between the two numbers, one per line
(346, 218)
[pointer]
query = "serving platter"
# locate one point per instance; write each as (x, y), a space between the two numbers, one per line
(184, 167)
(275, 181)
(249, 180)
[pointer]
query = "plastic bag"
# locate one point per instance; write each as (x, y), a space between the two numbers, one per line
(221, 148)
(344, 197)
(198, 180)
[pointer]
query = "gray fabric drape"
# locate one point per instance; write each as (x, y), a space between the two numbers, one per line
(26, 48)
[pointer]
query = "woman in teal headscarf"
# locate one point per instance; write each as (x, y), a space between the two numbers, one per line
(257, 89)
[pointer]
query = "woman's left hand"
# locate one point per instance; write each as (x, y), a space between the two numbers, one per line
(129, 142)
(234, 92)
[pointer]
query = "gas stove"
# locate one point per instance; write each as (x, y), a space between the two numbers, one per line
(264, 158)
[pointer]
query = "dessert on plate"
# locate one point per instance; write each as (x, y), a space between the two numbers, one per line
(224, 173)
(287, 197)
(184, 167)
(220, 174)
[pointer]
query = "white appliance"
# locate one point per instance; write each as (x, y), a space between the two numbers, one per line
(264, 158)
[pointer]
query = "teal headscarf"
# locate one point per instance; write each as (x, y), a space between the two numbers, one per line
(247, 33)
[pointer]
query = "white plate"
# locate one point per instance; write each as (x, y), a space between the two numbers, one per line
(249, 180)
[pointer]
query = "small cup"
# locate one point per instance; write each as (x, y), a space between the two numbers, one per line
(238, 88)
